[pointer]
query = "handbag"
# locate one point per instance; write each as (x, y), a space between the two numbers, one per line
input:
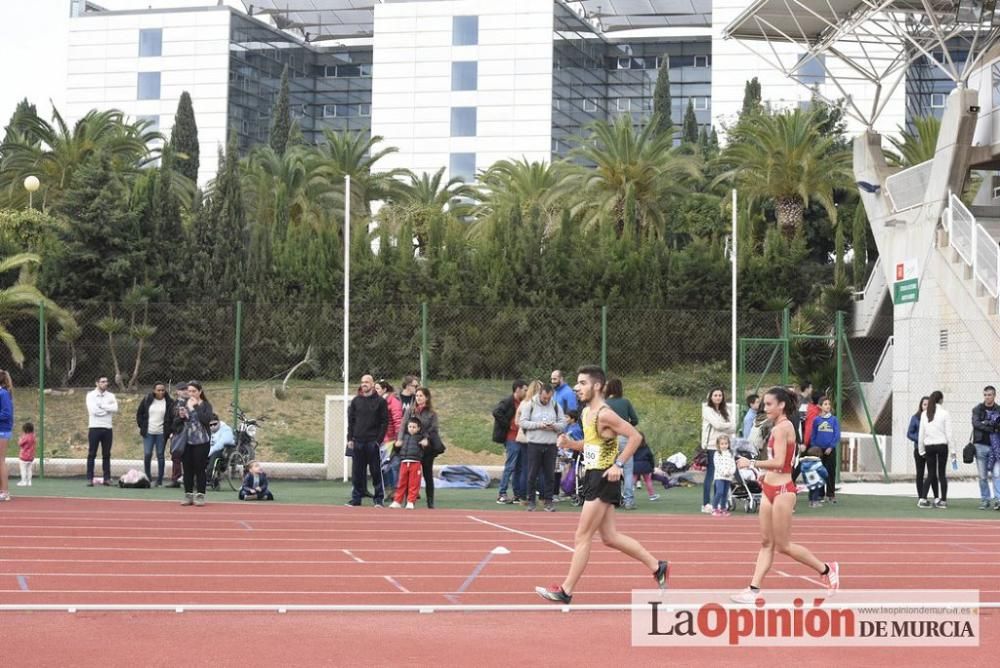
(196, 432)
(969, 451)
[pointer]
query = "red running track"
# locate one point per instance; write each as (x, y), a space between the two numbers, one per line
(71, 552)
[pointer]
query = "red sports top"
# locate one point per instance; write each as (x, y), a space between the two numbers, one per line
(786, 466)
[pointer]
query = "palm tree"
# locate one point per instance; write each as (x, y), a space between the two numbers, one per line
(424, 198)
(628, 175)
(22, 300)
(53, 152)
(530, 185)
(917, 145)
(351, 153)
(783, 158)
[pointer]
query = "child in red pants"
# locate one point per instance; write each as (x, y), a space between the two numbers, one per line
(411, 452)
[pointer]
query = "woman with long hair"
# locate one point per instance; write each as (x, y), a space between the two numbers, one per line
(913, 433)
(391, 462)
(715, 422)
(197, 414)
(423, 409)
(933, 443)
(6, 428)
(778, 501)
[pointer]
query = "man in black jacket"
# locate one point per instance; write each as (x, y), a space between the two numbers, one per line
(505, 432)
(983, 421)
(367, 422)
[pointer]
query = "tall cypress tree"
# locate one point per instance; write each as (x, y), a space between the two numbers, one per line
(859, 245)
(751, 97)
(281, 120)
(661, 96)
(690, 133)
(184, 139)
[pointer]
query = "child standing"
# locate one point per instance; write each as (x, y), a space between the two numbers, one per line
(26, 458)
(814, 474)
(643, 464)
(255, 484)
(725, 467)
(826, 437)
(411, 452)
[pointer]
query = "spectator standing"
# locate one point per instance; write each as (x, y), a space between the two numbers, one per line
(6, 429)
(411, 453)
(564, 394)
(615, 399)
(423, 410)
(825, 435)
(934, 441)
(715, 421)
(813, 410)
(197, 414)
(913, 433)
(643, 463)
(505, 429)
(367, 422)
(101, 408)
(390, 461)
(151, 416)
(815, 474)
(222, 435)
(178, 438)
(542, 419)
(26, 453)
(407, 391)
(805, 393)
(753, 404)
(725, 467)
(984, 419)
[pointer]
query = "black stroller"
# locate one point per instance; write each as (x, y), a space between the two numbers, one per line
(745, 486)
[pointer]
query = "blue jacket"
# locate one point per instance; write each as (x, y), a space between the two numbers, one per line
(6, 411)
(913, 432)
(575, 431)
(565, 397)
(813, 472)
(825, 432)
(748, 422)
(248, 483)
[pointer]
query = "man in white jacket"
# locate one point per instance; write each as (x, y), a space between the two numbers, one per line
(101, 407)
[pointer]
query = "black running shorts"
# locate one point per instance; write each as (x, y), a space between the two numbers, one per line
(598, 488)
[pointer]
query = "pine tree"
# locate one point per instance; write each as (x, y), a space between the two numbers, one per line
(859, 243)
(690, 132)
(184, 139)
(703, 140)
(713, 140)
(23, 111)
(661, 96)
(751, 97)
(281, 121)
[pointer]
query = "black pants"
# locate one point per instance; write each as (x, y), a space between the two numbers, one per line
(541, 459)
(937, 462)
(195, 463)
(366, 459)
(427, 470)
(921, 465)
(830, 464)
(99, 436)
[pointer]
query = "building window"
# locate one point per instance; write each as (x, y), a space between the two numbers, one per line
(149, 86)
(364, 110)
(329, 111)
(464, 30)
(938, 100)
(647, 104)
(154, 123)
(624, 63)
(463, 166)
(151, 42)
(624, 104)
(353, 71)
(700, 104)
(463, 122)
(589, 105)
(938, 56)
(701, 61)
(464, 75)
(811, 70)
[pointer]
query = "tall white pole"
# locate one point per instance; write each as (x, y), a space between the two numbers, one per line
(347, 305)
(737, 401)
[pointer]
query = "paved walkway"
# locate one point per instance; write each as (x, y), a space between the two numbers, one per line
(963, 489)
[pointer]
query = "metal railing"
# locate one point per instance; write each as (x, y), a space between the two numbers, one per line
(987, 255)
(908, 189)
(961, 228)
(867, 302)
(975, 245)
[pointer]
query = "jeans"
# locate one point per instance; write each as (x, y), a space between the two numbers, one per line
(816, 494)
(709, 477)
(390, 466)
(628, 477)
(720, 501)
(149, 443)
(937, 465)
(195, 464)
(982, 455)
(99, 436)
(512, 470)
(366, 459)
(541, 460)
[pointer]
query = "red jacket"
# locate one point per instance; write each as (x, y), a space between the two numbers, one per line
(812, 412)
(27, 446)
(395, 417)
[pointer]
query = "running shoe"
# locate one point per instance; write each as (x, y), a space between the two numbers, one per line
(746, 597)
(983, 505)
(707, 509)
(941, 504)
(531, 507)
(554, 593)
(4, 496)
(923, 503)
(832, 579)
(550, 507)
(409, 505)
(503, 500)
(716, 513)
(655, 497)
(395, 504)
(662, 574)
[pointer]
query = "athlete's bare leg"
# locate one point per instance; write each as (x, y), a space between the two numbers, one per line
(625, 544)
(590, 521)
(766, 555)
(781, 531)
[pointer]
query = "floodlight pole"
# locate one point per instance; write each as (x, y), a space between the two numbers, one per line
(347, 304)
(732, 361)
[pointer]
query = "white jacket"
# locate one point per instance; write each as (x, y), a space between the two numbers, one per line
(101, 407)
(725, 465)
(713, 425)
(937, 432)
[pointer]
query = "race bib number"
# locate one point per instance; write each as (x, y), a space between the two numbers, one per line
(590, 455)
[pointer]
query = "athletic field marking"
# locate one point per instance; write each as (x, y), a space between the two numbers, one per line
(351, 555)
(246, 526)
(22, 582)
(479, 569)
(391, 580)
(821, 584)
(967, 548)
(523, 533)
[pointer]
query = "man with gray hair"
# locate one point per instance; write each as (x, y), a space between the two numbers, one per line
(367, 422)
(542, 419)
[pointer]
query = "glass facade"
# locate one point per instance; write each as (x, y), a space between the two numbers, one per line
(927, 87)
(464, 30)
(148, 87)
(462, 166)
(151, 42)
(465, 75)
(463, 122)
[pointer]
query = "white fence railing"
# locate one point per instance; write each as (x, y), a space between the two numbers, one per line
(867, 302)
(975, 245)
(987, 258)
(909, 187)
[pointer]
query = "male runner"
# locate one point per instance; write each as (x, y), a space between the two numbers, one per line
(602, 489)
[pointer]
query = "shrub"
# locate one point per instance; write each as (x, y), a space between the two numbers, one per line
(693, 381)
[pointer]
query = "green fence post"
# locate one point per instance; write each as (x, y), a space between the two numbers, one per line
(423, 344)
(786, 332)
(838, 387)
(237, 350)
(41, 390)
(604, 338)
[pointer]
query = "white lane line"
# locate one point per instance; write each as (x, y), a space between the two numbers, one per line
(522, 533)
(351, 555)
(817, 582)
(391, 580)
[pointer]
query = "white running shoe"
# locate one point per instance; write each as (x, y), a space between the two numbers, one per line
(746, 597)
(409, 506)
(832, 579)
(707, 509)
(395, 505)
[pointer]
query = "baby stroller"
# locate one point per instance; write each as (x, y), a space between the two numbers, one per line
(745, 487)
(573, 478)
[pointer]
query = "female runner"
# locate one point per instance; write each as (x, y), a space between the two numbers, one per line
(779, 501)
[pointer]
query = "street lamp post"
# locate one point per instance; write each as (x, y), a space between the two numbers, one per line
(31, 184)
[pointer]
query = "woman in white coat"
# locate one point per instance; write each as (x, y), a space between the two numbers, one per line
(715, 420)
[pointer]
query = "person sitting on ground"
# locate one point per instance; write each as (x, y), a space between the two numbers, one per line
(411, 454)
(222, 436)
(814, 474)
(255, 484)
(643, 464)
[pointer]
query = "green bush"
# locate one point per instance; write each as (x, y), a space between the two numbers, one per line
(693, 381)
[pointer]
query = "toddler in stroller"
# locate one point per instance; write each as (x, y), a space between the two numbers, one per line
(746, 487)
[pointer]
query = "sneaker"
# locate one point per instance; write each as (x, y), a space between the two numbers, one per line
(90, 483)
(550, 507)
(188, 500)
(531, 507)
(832, 579)
(746, 597)
(984, 505)
(352, 504)
(23, 483)
(409, 505)
(940, 504)
(503, 500)
(996, 505)
(554, 593)
(395, 505)
(379, 504)
(107, 482)
(5, 496)
(517, 499)
(726, 513)
(199, 499)
(662, 574)
(158, 483)
(923, 503)
(707, 508)
(629, 506)
(833, 500)
(655, 497)
(716, 512)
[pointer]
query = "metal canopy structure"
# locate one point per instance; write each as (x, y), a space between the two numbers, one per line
(875, 41)
(618, 15)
